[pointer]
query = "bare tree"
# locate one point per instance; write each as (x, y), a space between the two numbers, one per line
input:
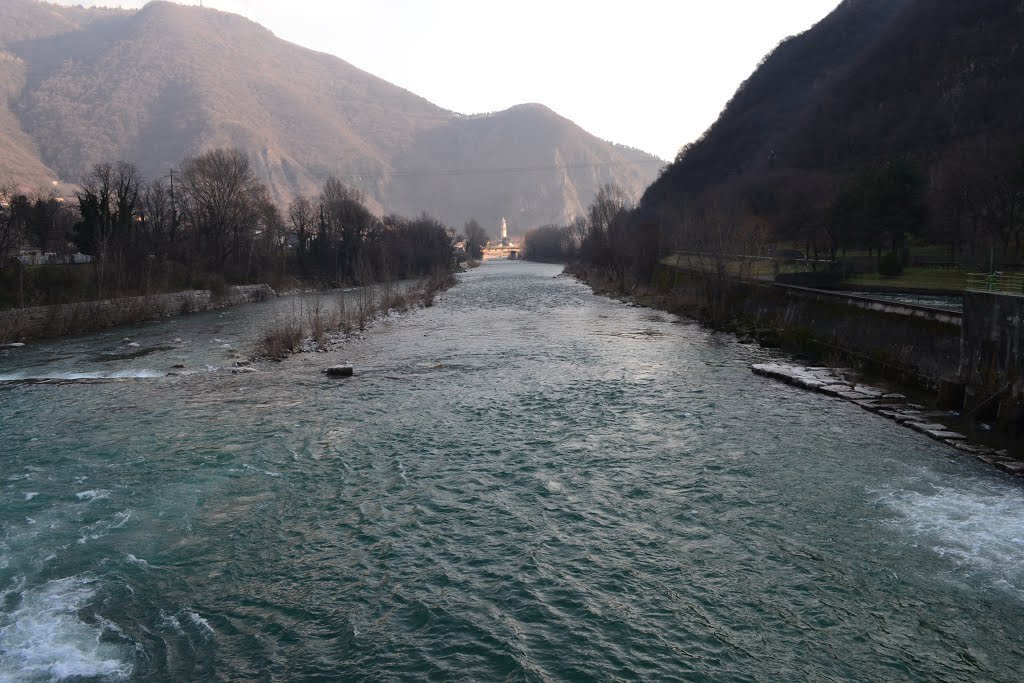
(157, 212)
(607, 239)
(10, 234)
(476, 239)
(345, 222)
(302, 218)
(223, 199)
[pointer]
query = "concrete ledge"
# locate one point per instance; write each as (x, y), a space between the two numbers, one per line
(939, 315)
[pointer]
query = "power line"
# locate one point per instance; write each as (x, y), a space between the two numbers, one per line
(502, 171)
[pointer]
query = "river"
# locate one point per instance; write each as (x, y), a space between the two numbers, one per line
(525, 482)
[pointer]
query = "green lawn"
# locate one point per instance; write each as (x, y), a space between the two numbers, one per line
(915, 277)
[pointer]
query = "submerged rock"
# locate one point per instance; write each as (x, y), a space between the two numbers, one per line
(339, 371)
(242, 371)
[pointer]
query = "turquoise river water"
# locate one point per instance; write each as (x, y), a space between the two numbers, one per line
(525, 482)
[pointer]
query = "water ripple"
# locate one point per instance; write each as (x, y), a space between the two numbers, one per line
(525, 482)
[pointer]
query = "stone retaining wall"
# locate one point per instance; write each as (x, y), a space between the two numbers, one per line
(992, 358)
(993, 342)
(918, 342)
(81, 318)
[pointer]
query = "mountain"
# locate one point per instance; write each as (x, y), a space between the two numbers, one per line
(936, 85)
(156, 85)
(527, 159)
(771, 104)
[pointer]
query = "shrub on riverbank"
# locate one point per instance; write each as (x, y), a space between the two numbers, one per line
(281, 340)
(323, 326)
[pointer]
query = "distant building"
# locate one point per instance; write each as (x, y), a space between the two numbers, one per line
(33, 256)
(506, 249)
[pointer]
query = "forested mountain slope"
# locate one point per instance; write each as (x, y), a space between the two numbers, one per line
(156, 85)
(933, 86)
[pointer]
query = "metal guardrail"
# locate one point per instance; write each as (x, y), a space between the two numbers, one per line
(995, 282)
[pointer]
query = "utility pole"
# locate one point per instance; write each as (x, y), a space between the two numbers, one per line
(174, 210)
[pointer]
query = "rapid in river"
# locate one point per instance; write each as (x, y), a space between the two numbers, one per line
(524, 482)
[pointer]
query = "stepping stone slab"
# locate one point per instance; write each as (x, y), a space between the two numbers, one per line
(971, 448)
(851, 395)
(926, 427)
(1011, 467)
(945, 435)
(868, 405)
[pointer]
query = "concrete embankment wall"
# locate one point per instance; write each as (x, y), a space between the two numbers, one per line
(81, 318)
(992, 355)
(915, 340)
(918, 342)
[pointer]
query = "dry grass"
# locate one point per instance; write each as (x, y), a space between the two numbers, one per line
(320, 322)
(280, 340)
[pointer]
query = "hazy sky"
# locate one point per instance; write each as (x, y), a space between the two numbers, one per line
(652, 74)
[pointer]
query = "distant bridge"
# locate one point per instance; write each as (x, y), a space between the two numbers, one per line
(510, 253)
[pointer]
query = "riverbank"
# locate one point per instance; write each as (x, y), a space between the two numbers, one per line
(46, 322)
(892, 352)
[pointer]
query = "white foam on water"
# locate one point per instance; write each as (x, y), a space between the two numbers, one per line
(102, 528)
(980, 529)
(135, 560)
(202, 624)
(251, 468)
(43, 638)
(92, 494)
(78, 376)
(553, 486)
(172, 622)
(29, 495)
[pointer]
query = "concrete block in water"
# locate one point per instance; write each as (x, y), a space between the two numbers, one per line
(924, 427)
(970, 448)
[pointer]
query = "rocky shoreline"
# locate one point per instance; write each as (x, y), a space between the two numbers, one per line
(935, 424)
